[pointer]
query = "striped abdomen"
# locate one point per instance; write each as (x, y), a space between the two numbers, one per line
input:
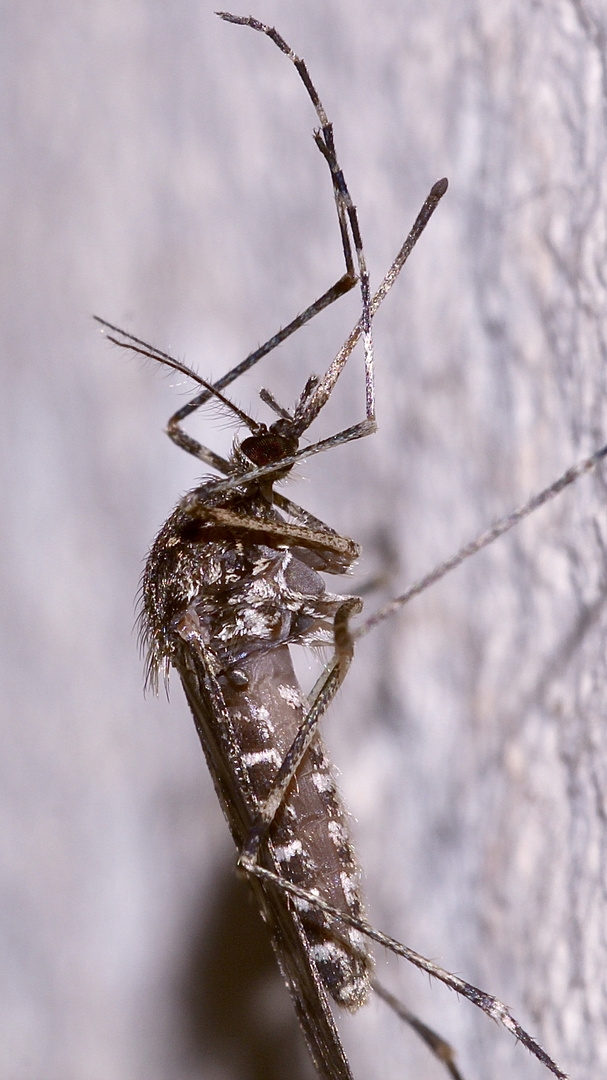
(310, 833)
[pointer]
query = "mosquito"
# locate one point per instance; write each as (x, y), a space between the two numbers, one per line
(231, 583)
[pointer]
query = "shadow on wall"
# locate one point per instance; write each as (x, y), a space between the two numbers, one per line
(233, 1005)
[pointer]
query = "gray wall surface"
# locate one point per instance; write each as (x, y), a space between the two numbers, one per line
(158, 169)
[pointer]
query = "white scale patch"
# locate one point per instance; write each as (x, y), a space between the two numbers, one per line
(260, 718)
(358, 941)
(261, 567)
(289, 851)
(323, 781)
(319, 635)
(255, 623)
(213, 572)
(261, 589)
(349, 885)
(258, 757)
(337, 832)
(328, 950)
(292, 695)
(249, 623)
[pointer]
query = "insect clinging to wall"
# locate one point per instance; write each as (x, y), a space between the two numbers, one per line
(231, 583)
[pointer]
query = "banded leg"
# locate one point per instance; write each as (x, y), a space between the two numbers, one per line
(490, 1005)
(325, 385)
(321, 697)
(484, 539)
(312, 403)
(346, 210)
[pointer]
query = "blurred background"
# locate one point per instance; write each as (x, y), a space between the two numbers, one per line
(158, 169)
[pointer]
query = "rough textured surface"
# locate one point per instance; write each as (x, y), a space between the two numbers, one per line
(159, 170)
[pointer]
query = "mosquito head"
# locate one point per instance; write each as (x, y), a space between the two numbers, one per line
(279, 441)
(269, 445)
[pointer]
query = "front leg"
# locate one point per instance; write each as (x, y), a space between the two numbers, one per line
(340, 551)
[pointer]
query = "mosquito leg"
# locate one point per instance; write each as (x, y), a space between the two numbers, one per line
(345, 209)
(345, 206)
(438, 1046)
(318, 398)
(143, 348)
(346, 214)
(484, 539)
(308, 519)
(323, 138)
(326, 384)
(321, 697)
(313, 403)
(490, 1005)
(342, 195)
(344, 551)
(174, 430)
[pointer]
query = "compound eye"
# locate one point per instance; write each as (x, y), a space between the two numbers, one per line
(267, 448)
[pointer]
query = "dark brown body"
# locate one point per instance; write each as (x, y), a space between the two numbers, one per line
(228, 610)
